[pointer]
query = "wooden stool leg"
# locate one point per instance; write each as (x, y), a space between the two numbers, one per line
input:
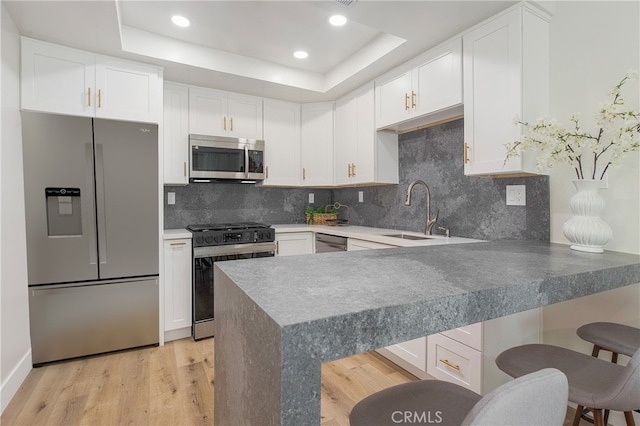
(614, 357)
(596, 351)
(606, 417)
(576, 418)
(628, 416)
(597, 417)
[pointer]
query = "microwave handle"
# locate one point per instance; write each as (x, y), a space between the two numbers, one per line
(246, 161)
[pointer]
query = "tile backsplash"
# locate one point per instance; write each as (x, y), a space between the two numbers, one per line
(472, 207)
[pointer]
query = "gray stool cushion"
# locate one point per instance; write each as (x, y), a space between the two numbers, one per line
(618, 338)
(593, 382)
(539, 398)
(432, 397)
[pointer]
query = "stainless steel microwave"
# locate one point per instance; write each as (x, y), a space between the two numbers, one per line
(217, 158)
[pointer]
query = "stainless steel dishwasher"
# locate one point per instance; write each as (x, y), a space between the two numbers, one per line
(326, 243)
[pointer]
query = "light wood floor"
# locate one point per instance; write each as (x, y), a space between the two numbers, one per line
(171, 385)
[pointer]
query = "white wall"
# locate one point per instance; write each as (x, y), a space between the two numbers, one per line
(593, 45)
(15, 343)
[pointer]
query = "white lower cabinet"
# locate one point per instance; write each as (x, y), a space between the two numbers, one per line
(355, 244)
(177, 289)
(294, 243)
(466, 356)
(452, 361)
(410, 355)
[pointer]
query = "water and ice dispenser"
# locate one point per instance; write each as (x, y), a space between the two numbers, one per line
(64, 215)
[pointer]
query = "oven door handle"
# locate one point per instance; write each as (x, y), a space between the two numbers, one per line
(228, 250)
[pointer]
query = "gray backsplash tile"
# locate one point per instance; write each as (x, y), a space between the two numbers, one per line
(472, 207)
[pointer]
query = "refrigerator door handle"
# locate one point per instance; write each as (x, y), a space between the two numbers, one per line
(89, 206)
(246, 161)
(100, 204)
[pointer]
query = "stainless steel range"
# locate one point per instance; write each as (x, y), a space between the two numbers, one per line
(217, 243)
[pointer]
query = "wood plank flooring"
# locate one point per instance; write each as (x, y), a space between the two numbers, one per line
(171, 385)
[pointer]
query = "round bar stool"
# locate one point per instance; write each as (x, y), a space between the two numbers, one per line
(612, 337)
(593, 383)
(537, 398)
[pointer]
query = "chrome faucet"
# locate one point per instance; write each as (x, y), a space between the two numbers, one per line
(428, 230)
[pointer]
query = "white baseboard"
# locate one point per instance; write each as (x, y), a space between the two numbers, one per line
(14, 380)
(179, 333)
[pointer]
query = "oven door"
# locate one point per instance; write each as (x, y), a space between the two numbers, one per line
(204, 258)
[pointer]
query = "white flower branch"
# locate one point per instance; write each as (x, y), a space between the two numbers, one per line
(617, 134)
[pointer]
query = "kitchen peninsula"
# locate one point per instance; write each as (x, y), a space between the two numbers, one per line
(283, 317)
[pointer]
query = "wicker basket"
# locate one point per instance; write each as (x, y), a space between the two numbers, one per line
(330, 219)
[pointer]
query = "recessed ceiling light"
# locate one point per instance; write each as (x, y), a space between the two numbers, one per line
(180, 21)
(300, 54)
(337, 20)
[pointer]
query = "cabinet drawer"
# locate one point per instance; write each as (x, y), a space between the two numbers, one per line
(470, 335)
(454, 362)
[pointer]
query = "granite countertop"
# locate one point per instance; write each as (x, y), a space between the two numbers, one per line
(378, 235)
(491, 278)
(176, 234)
(281, 318)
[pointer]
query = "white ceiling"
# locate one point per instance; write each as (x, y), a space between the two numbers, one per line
(247, 46)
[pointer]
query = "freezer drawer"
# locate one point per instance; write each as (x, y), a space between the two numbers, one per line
(75, 320)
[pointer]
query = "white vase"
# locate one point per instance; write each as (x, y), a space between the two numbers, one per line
(586, 230)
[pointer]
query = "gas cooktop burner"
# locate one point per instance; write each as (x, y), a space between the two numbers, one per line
(227, 226)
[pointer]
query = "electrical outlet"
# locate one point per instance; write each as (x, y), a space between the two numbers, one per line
(360, 196)
(311, 198)
(516, 195)
(171, 197)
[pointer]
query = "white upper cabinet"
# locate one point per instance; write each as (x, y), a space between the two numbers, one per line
(428, 92)
(362, 155)
(219, 113)
(175, 130)
(282, 143)
(317, 144)
(506, 75)
(62, 80)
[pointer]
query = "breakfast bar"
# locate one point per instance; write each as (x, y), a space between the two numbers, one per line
(278, 321)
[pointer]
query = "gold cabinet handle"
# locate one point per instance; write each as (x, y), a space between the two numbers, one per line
(349, 168)
(277, 247)
(99, 98)
(89, 96)
(413, 99)
(353, 169)
(449, 364)
(304, 173)
(184, 168)
(466, 153)
(267, 173)
(231, 121)
(406, 101)
(178, 244)
(224, 123)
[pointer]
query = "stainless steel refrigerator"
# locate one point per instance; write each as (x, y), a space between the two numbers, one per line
(91, 201)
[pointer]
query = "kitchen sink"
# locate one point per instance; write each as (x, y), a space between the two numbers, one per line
(409, 236)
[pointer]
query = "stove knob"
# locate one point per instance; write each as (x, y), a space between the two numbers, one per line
(199, 240)
(208, 239)
(217, 238)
